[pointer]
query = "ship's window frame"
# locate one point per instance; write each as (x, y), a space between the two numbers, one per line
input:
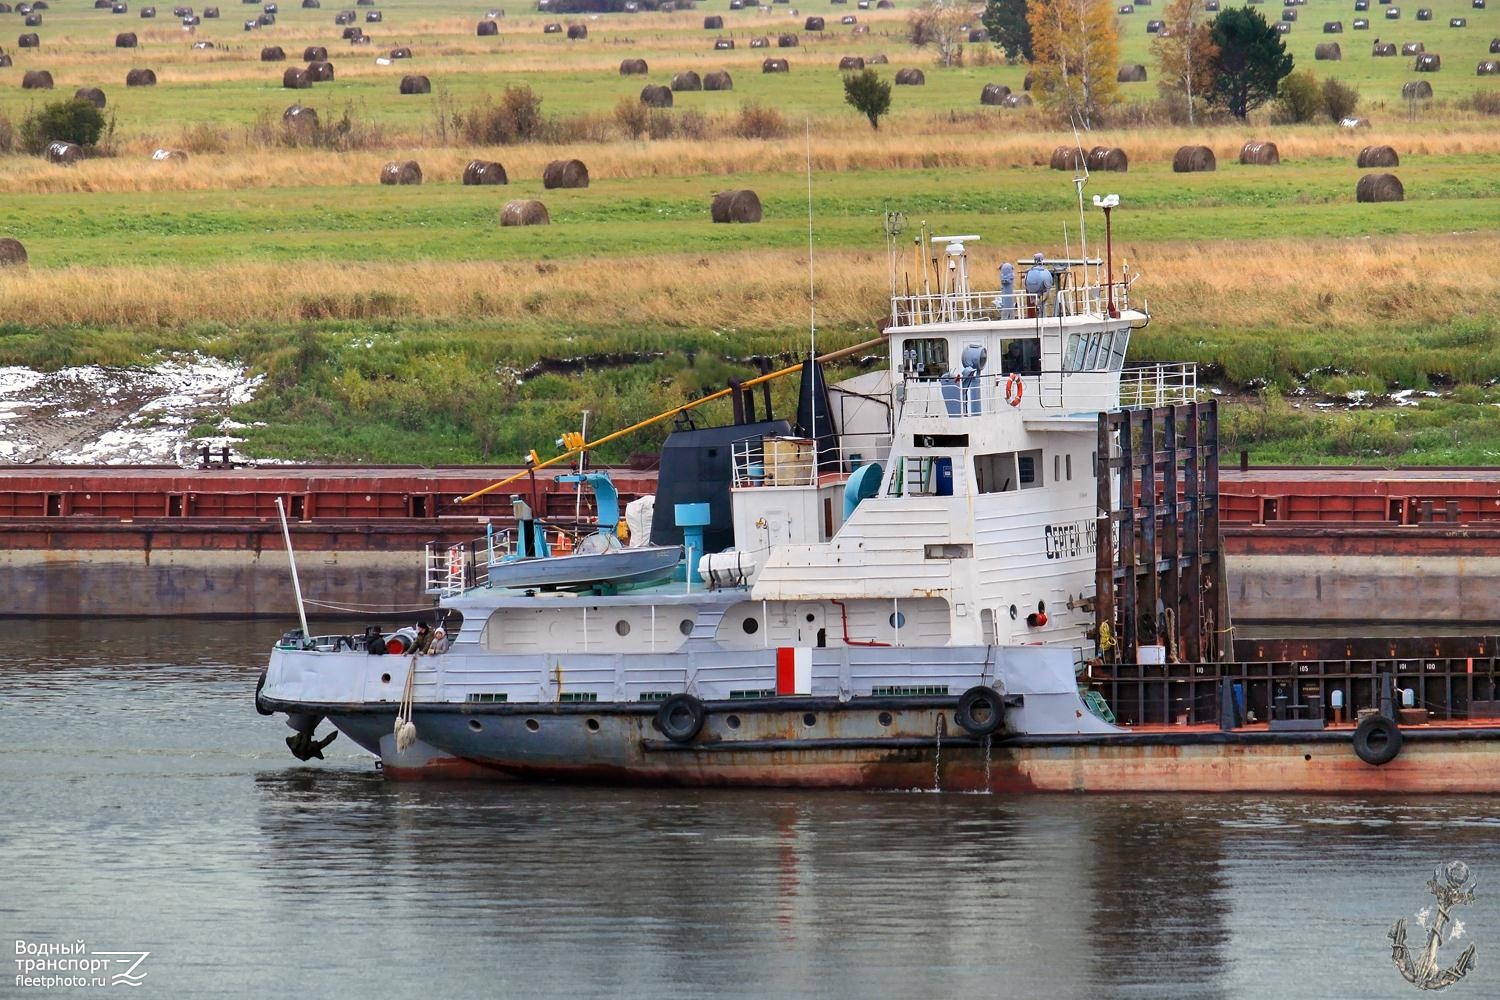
(1073, 356)
(995, 472)
(1091, 357)
(1056, 468)
(1033, 458)
(1117, 352)
(931, 361)
(1068, 464)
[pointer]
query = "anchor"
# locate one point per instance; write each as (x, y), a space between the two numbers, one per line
(305, 746)
(1451, 886)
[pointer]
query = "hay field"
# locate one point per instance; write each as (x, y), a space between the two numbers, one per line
(392, 319)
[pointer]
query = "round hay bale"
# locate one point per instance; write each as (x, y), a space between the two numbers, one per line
(297, 116)
(713, 22)
(1018, 101)
(169, 156)
(1194, 160)
(1487, 67)
(315, 53)
(978, 36)
(401, 172)
(1261, 154)
(879, 59)
(1382, 49)
(633, 67)
(1328, 52)
(1424, 13)
(1135, 73)
(849, 63)
(125, 40)
(416, 85)
(344, 17)
(485, 172)
(140, 78)
(148, 12)
(787, 41)
(93, 95)
(36, 79)
(1067, 158)
(910, 78)
(578, 32)
(353, 34)
(1494, 46)
(1125, 9)
(1288, 16)
(119, 8)
(760, 42)
(736, 206)
(1378, 156)
(524, 212)
(210, 12)
(1429, 62)
(686, 81)
(320, 71)
(565, 174)
(1109, 158)
(813, 24)
(1333, 27)
(1379, 187)
(719, 80)
(552, 29)
(5, 60)
(994, 94)
(1154, 27)
(1416, 90)
(1412, 48)
(65, 153)
(654, 95)
(1361, 24)
(486, 29)
(723, 44)
(311, 4)
(775, 66)
(1028, 81)
(402, 52)
(29, 41)
(296, 78)
(373, 17)
(33, 21)
(885, 5)
(12, 253)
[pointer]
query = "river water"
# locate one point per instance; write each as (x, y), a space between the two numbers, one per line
(145, 806)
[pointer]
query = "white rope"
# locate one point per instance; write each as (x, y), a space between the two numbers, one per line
(405, 729)
(372, 609)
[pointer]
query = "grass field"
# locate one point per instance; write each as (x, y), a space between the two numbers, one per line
(393, 320)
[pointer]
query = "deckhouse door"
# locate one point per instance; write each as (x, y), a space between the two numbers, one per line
(811, 630)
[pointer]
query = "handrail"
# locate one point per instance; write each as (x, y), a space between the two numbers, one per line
(995, 305)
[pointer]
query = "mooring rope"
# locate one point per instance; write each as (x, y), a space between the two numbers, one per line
(371, 609)
(405, 729)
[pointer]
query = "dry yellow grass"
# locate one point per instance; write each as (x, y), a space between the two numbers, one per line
(919, 144)
(1281, 284)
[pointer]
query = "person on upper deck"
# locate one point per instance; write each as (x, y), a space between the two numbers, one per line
(1014, 362)
(1039, 284)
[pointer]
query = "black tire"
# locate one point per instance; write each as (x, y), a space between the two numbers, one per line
(681, 717)
(1377, 740)
(981, 711)
(258, 685)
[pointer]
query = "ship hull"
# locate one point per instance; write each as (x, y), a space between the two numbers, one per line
(921, 748)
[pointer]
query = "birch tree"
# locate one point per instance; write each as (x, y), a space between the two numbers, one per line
(1186, 55)
(1077, 55)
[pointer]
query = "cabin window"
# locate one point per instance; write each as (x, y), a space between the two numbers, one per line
(925, 357)
(1091, 354)
(1021, 357)
(1068, 466)
(1073, 356)
(1117, 353)
(995, 473)
(1056, 468)
(1029, 468)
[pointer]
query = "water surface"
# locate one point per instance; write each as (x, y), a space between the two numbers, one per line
(144, 805)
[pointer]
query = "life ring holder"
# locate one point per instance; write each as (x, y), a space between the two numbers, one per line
(1014, 389)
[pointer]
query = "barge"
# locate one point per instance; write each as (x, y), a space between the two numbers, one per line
(995, 565)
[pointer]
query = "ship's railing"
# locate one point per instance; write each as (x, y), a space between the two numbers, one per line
(994, 305)
(1145, 386)
(450, 570)
(791, 462)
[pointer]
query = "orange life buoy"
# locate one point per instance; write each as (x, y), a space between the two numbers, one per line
(455, 560)
(1013, 389)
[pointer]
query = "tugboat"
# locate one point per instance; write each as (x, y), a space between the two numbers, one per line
(991, 565)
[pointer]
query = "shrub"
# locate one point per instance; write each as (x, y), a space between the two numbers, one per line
(1298, 98)
(516, 118)
(759, 122)
(7, 135)
(69, 121)
(632, 116)
(868, 94)
(1485, 102)
(1340, 100)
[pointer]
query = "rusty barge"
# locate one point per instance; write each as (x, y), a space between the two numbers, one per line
(1418, 548)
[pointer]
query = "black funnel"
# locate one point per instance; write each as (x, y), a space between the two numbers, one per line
(815, 415)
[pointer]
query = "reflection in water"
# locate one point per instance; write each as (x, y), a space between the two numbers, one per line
(146, 805)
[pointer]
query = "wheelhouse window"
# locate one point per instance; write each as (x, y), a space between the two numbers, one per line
(925, 357)
(1029, 469)
(995, 473)
(1096, 352)
(1022, 356)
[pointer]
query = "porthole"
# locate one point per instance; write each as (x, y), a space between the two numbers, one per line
(1012, 612)
(809, 720)
(812, 618)
(622, 628)
(685, 626)
(533, 725)
(898, 619)
(592, 725)
(885, 718)
(750, 625)
(475, 725)
(385, 678)
(732, 721)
